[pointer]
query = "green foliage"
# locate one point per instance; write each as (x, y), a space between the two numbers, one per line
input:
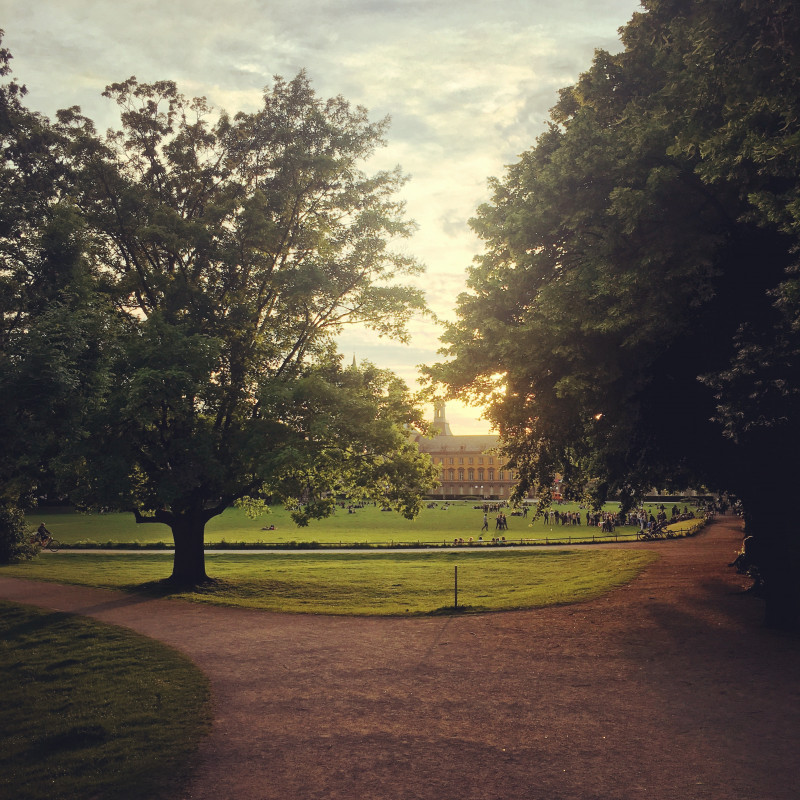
(638, 287)
(50, 313)
(245, 244)
(15, 536)
(638, 260)
(170, 316)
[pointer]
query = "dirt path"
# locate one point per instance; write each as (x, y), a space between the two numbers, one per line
(667, 688)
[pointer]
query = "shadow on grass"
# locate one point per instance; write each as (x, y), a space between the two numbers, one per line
(76, 738)
(35, 624)
(449, 611)
(226, 589)
(134, 593)
(167, 587)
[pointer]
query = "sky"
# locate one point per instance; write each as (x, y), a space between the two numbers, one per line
(468, 85)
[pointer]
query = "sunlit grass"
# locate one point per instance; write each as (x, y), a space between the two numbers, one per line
(93, 711)
(687, 527)
(380, 584)
(370, 524)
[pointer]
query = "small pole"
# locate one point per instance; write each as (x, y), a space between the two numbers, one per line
(455, 603)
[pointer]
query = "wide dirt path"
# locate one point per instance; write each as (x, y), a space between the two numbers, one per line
(667, 688)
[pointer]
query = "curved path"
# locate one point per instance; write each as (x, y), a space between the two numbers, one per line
(666, 688)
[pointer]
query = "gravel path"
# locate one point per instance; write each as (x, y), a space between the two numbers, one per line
(666, 688)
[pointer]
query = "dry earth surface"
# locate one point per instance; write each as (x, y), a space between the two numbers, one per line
(668, 688)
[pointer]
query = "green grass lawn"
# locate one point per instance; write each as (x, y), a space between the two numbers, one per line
(367, 525)
(395, 583)
(93, 711)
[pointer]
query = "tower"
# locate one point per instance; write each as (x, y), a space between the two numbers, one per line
(440, 425)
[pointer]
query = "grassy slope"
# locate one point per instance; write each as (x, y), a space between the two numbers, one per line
(93, 711)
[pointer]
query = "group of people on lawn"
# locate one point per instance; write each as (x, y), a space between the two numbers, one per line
(496, 541)
(501, 523)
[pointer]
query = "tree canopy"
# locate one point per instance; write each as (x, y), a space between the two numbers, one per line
(212, 261)
(51, 319)
(633, 320)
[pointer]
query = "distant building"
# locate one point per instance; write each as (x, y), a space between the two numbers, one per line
(469, 466)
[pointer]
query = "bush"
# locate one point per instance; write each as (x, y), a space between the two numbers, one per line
(15, 537)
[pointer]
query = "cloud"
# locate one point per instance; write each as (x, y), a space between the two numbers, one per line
(468, 86)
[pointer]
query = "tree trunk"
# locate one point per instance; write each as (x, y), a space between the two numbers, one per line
(777, 556)
(781, 573)
(189, 564)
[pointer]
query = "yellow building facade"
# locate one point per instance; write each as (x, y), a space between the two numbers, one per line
(469, 466)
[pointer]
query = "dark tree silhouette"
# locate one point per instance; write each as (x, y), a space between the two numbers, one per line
(634, 320)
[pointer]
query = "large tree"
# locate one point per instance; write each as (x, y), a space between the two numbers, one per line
(633, 320)
(222, 255)
(51, 314)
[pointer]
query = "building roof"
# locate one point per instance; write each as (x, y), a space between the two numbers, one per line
(456, 444)
(443, 440)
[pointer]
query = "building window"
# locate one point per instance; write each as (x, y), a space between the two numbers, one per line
(480, 474)
(461, 474)
(491, 474)
(461, 460)
(451, 460)
(502, 475)
(471, 460)
(451, 474)
(471, 475)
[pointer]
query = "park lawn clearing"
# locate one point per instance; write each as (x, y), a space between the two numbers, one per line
(91, 710)
(384, 584)
(371, 526)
